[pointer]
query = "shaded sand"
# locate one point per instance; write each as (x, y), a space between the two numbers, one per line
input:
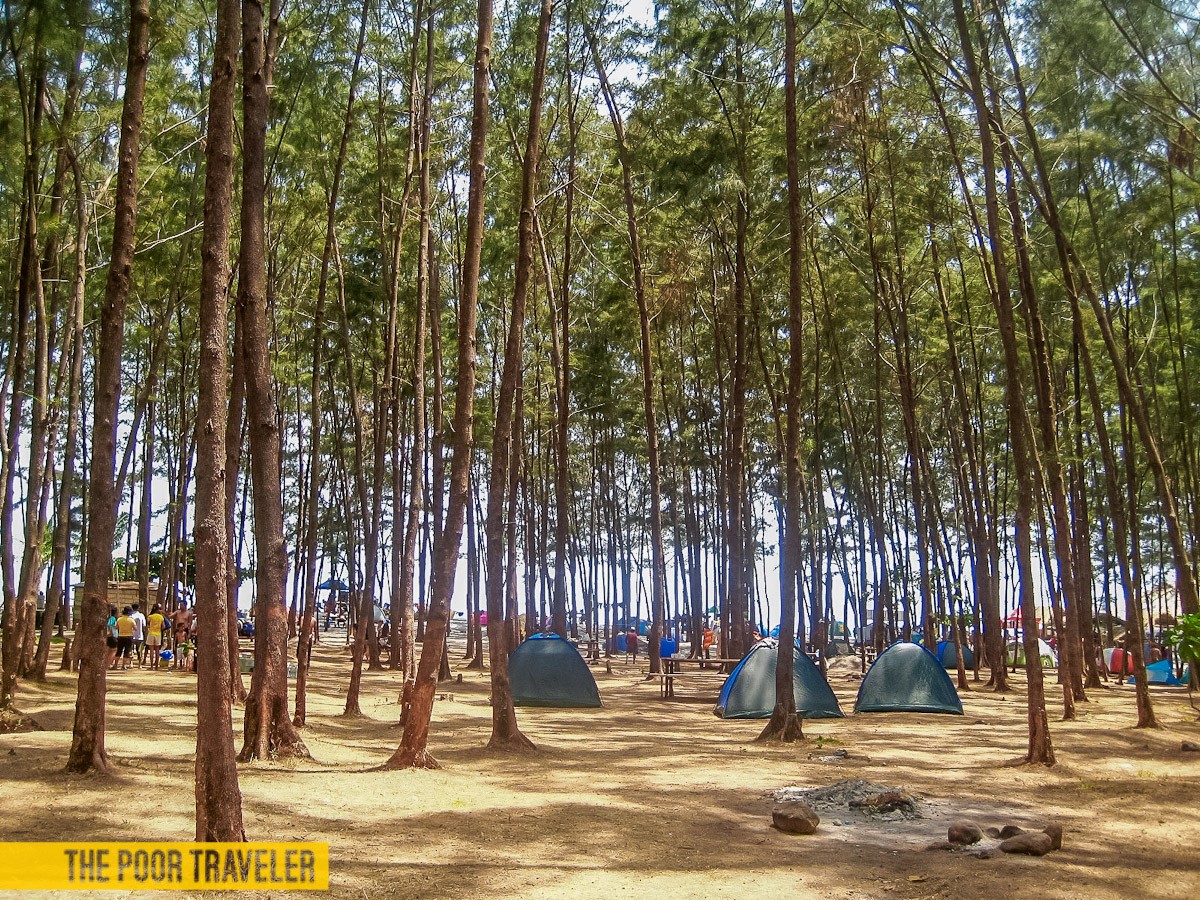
(642, 795)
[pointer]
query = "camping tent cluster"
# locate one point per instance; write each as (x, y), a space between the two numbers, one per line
(905, 678)
(548, 671)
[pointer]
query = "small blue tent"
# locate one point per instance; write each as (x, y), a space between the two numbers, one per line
(907, 678)
(548, 671)
(749, 691)
(949, 659)
(1161, 673)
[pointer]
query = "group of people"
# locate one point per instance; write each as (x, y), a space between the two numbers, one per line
(131, 635)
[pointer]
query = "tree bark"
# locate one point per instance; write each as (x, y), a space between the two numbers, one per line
(218, 795)
(784, 724)
(506, 735)
(657, 589)
(413, 750)
(268, 729)
(87, 743)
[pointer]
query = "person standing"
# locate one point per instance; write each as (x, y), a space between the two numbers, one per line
(110, 638)
(156, 626)
(125, 628)
(181, 622)
(139, 633)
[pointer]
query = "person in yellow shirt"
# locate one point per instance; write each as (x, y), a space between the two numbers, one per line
(156, 624)
(125, 627)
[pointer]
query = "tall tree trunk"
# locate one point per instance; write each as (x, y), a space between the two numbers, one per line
(235, 438)
(562, 371)
(1040, 748)
(784, 724)
(31, 91)
(218, 796)
(87, 743)
(506, 735)
(413, 750)
(416, 506)
(313, 499)
(657, 575)
(268, 729)
(55, 595)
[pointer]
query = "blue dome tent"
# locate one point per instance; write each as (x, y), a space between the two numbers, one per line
(949, 659)
(548, 671)
(907, 678)
(749, 691)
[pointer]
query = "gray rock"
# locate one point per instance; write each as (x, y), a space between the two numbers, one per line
(1030, 843)
(985, 854)
(795, 818)
(1190, 747)
(886, 802)
(964, 833)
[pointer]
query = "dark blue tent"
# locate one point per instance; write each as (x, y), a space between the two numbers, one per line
(749, 691)
(907, 678)
(548, 671)
(949, 659)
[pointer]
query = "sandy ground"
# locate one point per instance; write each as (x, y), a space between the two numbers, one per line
(644, 795)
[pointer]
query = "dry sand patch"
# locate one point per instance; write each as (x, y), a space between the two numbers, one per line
(641, 795)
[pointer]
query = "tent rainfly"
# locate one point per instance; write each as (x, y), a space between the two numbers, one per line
(749, 691)
(548, 671)
(907, 678)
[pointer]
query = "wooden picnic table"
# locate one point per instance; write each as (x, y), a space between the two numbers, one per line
(673, 666)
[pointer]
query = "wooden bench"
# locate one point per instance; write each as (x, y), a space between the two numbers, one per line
(705, 677)
(705, 671)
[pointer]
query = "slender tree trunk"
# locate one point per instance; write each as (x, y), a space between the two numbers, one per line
(416, 475)
(313, 499)
(1040, 747)
(413, 750)
(55, 595)
(268, 729)
(657, 575)
(784, 724)
(234, 441)
(506, 735)
(218, 796)
(87, 744)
